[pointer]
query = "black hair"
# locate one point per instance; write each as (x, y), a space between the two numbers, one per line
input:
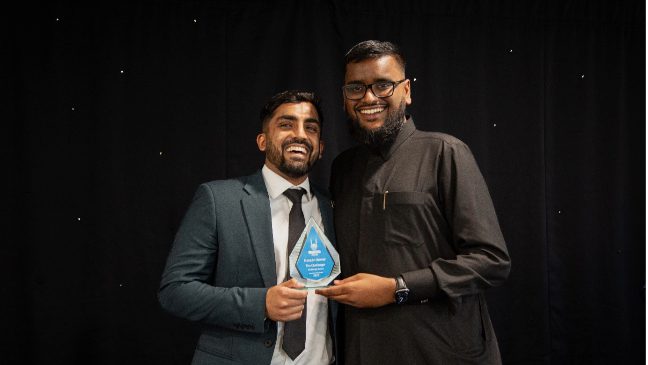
(374, 49)
(289, 97)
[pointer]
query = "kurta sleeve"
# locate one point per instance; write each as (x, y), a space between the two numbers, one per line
(482, 260)
(185, 290)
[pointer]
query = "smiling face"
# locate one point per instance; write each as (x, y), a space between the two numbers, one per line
(371, 113)
(291, 141)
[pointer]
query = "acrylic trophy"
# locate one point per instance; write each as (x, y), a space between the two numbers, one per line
(314, 262)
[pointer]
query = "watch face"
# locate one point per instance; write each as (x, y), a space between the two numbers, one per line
(401, 296)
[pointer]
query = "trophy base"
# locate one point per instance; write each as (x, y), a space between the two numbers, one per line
(314, 287)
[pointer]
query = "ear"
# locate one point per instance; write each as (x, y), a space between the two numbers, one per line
(321, 149)
(408, 95)
(261, 142)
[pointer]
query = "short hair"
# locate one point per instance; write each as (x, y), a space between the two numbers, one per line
(374, 49)
(289, 97)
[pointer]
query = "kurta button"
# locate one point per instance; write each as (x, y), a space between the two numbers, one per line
(267, 343)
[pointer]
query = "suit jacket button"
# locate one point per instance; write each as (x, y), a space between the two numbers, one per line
(267, 343)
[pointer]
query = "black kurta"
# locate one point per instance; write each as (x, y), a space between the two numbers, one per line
(419, 208)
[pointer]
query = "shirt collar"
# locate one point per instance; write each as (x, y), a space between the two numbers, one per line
(406, 131)
(276, 184)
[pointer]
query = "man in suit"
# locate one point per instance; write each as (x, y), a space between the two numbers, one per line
(228, 267)
(416, 229)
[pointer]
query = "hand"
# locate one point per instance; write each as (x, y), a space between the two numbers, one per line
(362, 291)
(284, 302)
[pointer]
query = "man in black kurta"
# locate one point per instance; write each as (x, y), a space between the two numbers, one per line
(416, 229)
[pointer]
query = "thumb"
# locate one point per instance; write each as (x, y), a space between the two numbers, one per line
(292, 283)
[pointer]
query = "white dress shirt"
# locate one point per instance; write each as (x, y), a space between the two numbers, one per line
(318, 349)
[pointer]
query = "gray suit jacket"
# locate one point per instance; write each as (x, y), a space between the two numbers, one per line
(221, 266)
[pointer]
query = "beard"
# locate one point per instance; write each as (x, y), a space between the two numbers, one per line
(294, 169)
(382, 136)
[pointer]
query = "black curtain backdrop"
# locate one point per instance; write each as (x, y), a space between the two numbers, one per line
(118, 110)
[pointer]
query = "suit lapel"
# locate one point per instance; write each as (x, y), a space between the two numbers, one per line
(256, 208)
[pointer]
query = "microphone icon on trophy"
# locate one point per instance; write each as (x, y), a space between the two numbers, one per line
(313, 248)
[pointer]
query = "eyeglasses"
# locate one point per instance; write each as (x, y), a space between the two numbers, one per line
(382, 89)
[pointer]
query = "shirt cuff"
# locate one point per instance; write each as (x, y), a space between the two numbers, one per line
(422, 285)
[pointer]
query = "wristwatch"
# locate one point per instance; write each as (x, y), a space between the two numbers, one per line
(402, 293)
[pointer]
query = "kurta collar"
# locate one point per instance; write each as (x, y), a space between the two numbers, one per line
(406, 131)
(276, 184)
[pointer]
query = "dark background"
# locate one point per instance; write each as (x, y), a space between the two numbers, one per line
(118, 110)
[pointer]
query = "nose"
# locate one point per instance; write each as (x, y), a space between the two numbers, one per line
(369, 96)
(299, 130)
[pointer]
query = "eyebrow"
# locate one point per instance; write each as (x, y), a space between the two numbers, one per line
(293, 118)
(287, 116)
(361, 82)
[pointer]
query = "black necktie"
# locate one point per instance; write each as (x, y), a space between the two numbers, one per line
(294, 338)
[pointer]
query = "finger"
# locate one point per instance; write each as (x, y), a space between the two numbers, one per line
(331, 291)
(287, 299)
(290, 311)
(324, 292)
(350, 279)
(293, 316)
(343, 298)
(292, 303)
(289, 293)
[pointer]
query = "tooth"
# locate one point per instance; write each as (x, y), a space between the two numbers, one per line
(296, 149)
(372, 110)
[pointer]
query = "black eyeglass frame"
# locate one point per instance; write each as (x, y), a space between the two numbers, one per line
(370, 86)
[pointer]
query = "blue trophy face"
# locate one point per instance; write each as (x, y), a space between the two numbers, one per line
(314, 261)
